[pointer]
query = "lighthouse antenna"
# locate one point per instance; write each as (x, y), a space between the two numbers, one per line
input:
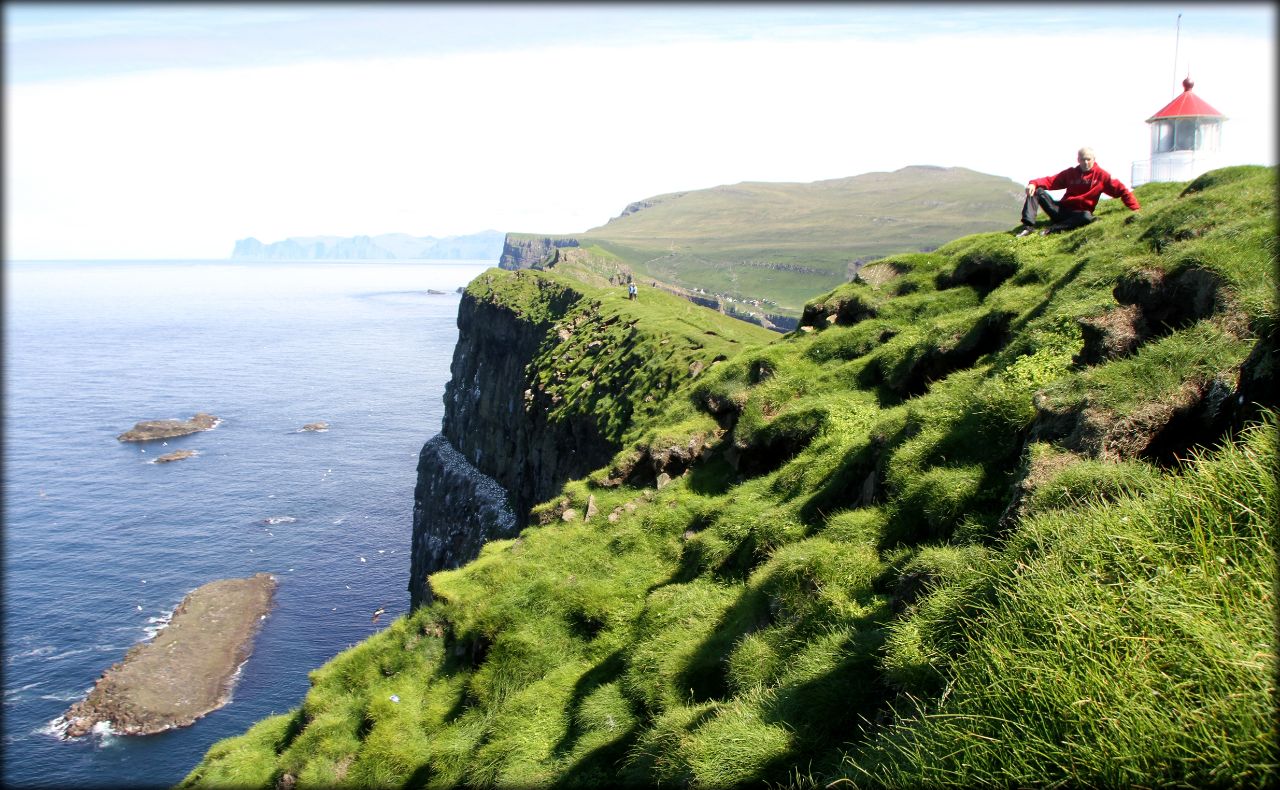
(1177, 35)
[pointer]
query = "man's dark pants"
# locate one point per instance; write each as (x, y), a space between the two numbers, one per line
(1064, 218)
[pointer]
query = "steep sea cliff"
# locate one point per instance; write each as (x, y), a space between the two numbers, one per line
(494, 457)
(543, 385)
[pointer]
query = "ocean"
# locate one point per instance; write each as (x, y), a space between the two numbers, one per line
(100, 544)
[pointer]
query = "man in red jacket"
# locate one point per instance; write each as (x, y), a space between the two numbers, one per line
(1085, 184)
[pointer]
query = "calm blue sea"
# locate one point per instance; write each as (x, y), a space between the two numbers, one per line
(100, 544)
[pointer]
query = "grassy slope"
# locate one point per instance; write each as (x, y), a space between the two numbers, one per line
(789, 242)
(888, 566)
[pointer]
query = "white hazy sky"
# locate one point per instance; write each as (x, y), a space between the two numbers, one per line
(171, 131)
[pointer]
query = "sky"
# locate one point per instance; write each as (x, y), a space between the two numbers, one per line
(152, 131)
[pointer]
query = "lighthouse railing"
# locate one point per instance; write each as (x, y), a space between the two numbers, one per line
(1172, 166)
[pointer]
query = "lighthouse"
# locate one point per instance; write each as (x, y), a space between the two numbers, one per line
(1186, 139)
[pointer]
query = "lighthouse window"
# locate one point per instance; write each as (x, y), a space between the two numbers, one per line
(1209, 136)
(1162, 137)
(1184, 136)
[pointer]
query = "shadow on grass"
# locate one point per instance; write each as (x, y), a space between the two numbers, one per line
(918, 517)
(831, 709)
(736, 566)
(872, 379)
(421, 777)
(930, 362)
(607, 671)
(602, 766)
(848, 485)
(297, 723)
(1017, 325)
(714, 476)
(705, 674)
(639, 768)
(462, 656)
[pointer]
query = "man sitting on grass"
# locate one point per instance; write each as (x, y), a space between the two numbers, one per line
(1085, 184)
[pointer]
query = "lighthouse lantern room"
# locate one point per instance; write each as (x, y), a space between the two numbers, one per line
(1186, 139)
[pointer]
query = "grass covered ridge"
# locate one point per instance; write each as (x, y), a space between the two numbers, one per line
(781, 243)
(995, 515)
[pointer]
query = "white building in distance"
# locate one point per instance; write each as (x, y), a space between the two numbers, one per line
(1186, 140)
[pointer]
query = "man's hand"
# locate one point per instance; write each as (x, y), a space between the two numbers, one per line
(1031, 189)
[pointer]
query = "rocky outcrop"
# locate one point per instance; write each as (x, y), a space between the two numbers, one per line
(187, 670)
(151, 430)
(527, 252)
(1153, 303)
(641, 205)
(456, 510)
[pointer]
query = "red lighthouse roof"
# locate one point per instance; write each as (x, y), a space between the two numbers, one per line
(1186, 105)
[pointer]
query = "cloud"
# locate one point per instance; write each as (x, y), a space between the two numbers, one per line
(182, 162)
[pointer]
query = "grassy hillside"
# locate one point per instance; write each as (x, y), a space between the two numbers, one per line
(1001, 513)
(786, 242)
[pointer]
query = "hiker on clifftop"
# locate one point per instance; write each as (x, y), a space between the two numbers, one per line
(1085, 184)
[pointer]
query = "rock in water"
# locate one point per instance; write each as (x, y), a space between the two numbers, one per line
(176, 455)
(149, 430)
(189, 668)
(316, 426)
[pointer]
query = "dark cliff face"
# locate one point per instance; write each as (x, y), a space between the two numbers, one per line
(498, 453)
(527, 253)
(493, 414)
(456, 510)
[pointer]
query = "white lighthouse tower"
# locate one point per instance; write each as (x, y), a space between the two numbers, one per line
(1186, 140)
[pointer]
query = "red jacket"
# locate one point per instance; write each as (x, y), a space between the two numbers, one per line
(1084, 189)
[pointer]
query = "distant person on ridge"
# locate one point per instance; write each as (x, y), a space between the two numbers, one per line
(1085, 184)
(631, 291)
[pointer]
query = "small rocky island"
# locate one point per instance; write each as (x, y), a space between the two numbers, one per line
(189, 668)
(150, 430)
(315, 426)
(176, 455)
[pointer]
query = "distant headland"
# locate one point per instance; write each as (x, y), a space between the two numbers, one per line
(484, 245)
